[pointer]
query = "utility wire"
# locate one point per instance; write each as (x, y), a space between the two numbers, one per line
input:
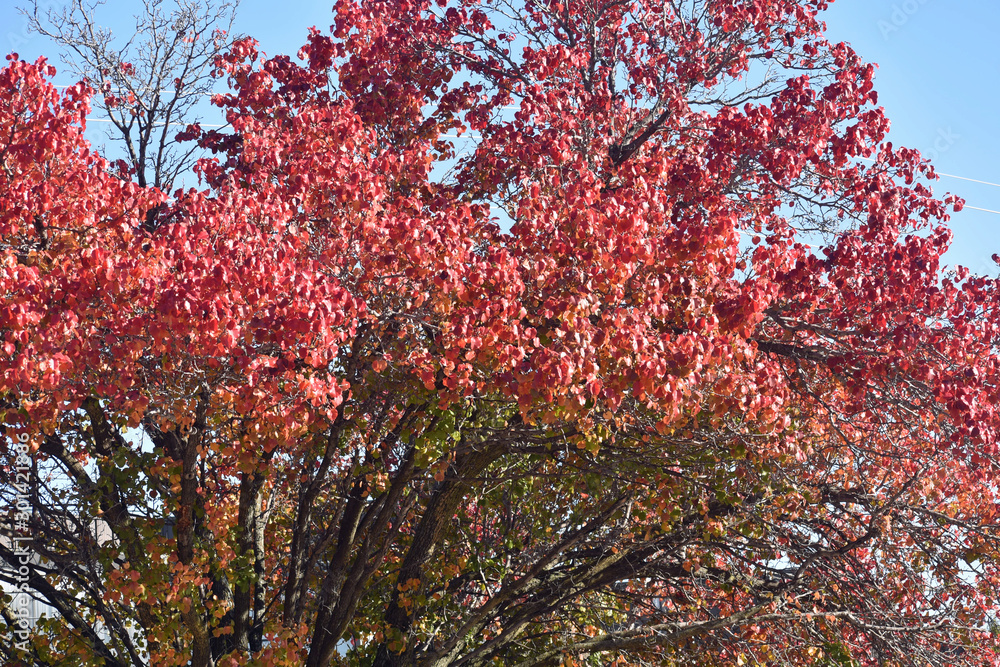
(963, 178)
(105, 120)
(976, 208)
(143, 89)
(471, 136)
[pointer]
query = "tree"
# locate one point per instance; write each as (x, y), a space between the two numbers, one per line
(150, 85)
(646, 424)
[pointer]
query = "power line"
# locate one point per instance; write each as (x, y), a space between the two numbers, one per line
(963, 178)
(976, 208)
(973, 180)
(471, 136)
(143, 89)
(941, 173)
(105, 120)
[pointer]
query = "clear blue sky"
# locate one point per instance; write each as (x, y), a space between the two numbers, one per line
(939, 66)
(938, 77)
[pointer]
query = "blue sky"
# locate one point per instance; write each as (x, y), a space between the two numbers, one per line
(939, 70)
(939, 66)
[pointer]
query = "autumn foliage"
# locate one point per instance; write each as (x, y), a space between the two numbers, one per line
(568, 333)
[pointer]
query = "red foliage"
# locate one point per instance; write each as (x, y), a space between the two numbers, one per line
(660, 368)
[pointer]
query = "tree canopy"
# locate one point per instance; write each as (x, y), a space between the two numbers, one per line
(587, 332)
